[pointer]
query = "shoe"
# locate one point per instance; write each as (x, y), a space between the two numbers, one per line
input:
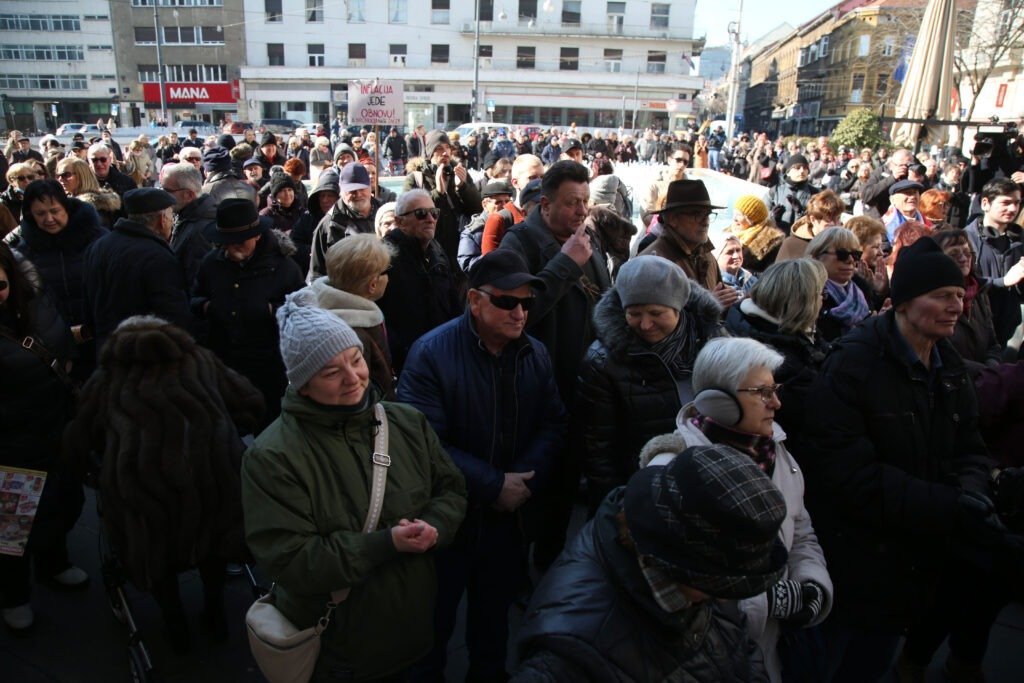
(71, 578)
(957, 670)
(235, 569)
(19, 618)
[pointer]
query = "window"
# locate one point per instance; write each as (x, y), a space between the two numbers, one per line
(272, 11)
(398, 53)
(40, 22)
(179, 35)
(100, 48)
(398, 11)
(824, 46)
(314, 11)
(803, 57)
(178, 3)
(857, 91)
(44, 82)
(356, 13)
(185, 73)
(888, 46)
(42, 53)
(315, 52)
(659, 15)
(526, 57)
(439, 53)
(812, 55)
(211, 35)
(616, 17)
(486, 9)
(570, 59)
(103, 77)
(145, 35)
(864, 46)
(357, 50)
(527, 11)
(149, 73)
(486, 51)
(571, 12)
(613, 61)
(275, 54)
(881, 84)
(656, 62)
(440, 11)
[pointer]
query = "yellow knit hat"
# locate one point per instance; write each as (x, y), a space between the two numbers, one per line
(752, 207)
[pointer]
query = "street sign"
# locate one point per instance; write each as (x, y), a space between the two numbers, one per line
(490, 105)
(376, 103)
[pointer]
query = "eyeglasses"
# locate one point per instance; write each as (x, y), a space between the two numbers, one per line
(845, 254)
(700, 216)
(508, 303)
(767, 393)
(19, 178)
(681, 160)
(100, 160)
(65, 175)
(422, 214)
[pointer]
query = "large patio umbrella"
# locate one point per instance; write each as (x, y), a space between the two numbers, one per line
(927, 86)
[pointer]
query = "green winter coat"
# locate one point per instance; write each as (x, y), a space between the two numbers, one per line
(305, 492)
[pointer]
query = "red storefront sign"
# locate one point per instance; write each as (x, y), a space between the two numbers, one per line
(192, 93)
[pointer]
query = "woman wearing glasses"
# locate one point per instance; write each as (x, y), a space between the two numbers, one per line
(18, 178)
(735, 405)
(844, 304)
(78, 180)
(636, 374)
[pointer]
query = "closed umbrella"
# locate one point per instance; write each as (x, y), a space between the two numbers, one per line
(928, 84)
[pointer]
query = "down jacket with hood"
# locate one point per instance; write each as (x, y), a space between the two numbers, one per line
(302, 231)
(626, 394)
(806, 561)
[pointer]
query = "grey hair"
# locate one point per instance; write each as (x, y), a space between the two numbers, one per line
(99, 147)
(790, 291)
(185, 175)
(406, 199)
(190, 152)
(725, 361)
(830, 239)
(150, 220)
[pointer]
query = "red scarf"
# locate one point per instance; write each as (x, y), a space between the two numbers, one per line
(971, 289)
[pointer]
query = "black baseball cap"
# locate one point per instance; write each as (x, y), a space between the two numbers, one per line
(504, 269)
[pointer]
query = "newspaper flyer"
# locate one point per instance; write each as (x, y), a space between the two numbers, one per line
(20, 491)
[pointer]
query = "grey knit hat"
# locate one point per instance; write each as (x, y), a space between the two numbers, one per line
(652, 280)
(310, 337)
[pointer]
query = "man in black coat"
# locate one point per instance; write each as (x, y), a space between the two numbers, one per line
(194, 213)
(876, 192)
(24, 152)
(101, 159)
(897, 472)
(132, 270)
(422, 290)
(352, 214)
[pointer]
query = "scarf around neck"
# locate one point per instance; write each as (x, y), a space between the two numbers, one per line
(971, 289)
(760, 448)
(759, 239)
(678, 350)
(851, 306)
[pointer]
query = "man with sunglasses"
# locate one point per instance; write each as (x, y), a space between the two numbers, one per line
(101, 159)
(488, 391)
(678, 162)
(423, 291)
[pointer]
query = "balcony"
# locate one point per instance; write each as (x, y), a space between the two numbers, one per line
(603, 29)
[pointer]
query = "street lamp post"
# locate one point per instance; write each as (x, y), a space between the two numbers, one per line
(475, 114)
(159, 62)
(734, 77)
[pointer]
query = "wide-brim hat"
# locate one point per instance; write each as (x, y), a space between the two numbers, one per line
(710, 519)
(686, 193)
(237, 221)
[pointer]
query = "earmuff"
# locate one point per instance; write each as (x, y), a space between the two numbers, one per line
(720, 405)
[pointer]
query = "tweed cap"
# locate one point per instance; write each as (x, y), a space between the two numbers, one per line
(710, 518)
(310, 337)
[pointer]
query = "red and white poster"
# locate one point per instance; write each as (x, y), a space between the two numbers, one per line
(192, 93)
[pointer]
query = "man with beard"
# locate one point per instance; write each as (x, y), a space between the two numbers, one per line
(352, 214)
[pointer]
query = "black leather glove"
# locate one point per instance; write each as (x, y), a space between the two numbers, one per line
(777, 212)
(977, 521)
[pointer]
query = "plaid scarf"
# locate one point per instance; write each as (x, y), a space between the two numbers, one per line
(679, 349)
(760, 448)
(664, 588)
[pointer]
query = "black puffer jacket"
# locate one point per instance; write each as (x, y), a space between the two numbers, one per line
(884, 457)
(60, 258)
(626, 395)
(13, 200)
(238, 301)
(188, 241)
(337, 224)
(457, 205)
(788, 201)
(802, 360)
(593, 619)
(302, 231)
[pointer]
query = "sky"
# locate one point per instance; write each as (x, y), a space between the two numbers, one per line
(759, 17)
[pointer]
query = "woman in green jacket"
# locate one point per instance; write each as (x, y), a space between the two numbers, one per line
(306, 490)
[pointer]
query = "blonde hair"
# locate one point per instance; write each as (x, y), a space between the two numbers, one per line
(831, 239)
(354, 261)
(865, 228)
(825, 205)
(15, 169)
(791, 292)
(83, 174)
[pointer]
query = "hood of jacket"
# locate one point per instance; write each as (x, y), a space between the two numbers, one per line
(603, 189)
(82, 228)
(611, 328)
(103, 200)
(328, 182)
(355, 310)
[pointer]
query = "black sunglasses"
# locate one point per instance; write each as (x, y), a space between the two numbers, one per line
(682, 160)
(3, 285)
(845, 254)
(422, 214)
(24, 177)
(508, 303)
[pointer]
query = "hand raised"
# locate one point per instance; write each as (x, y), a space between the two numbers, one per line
(577, 247)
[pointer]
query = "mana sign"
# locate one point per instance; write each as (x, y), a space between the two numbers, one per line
(190, 93)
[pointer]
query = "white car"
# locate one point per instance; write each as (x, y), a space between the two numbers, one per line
(69, 128)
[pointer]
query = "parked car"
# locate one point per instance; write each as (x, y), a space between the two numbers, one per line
(280, 125)
(467, 128)
(236, 127)
(69, 128)
(90, 130)
(202, 127)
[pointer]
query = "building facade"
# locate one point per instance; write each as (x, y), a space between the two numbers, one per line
(589, 62)
(201, 50)
(57, 64)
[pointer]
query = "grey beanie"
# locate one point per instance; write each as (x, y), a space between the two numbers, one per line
(310, 337)
(652, 280)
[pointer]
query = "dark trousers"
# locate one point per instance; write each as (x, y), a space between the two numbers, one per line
(488, 568)
(166, 592)
(858, 655)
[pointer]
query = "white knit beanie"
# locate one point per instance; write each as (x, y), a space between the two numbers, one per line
(310, 337)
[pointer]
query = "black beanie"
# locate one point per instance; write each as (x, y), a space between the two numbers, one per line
(226, 141)
(279, 182)
(921, 268)
(794, 160)
(268, 139)
(216, 160)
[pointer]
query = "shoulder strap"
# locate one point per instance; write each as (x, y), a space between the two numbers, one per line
(36, 348)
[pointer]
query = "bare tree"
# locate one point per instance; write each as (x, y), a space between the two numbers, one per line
(994, 38)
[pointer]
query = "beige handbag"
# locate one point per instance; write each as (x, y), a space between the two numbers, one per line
(284, 653)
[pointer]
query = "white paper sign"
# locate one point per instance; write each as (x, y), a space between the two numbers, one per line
(376, 103)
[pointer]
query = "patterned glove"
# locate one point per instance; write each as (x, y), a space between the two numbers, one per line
(813, 598)
(785, 599)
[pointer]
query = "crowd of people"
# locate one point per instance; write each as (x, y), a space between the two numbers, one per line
(798, 449)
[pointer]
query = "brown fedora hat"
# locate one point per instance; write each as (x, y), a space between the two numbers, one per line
(686, 193)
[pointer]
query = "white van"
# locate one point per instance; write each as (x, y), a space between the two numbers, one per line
(468, 128)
